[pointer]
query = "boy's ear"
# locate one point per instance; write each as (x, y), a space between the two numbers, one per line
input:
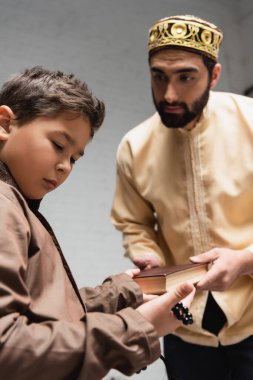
(6, 115)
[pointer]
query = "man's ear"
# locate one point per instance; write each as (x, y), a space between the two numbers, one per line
(215, 75)
(6, 115)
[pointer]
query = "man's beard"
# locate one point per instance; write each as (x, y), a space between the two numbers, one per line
(173, 120)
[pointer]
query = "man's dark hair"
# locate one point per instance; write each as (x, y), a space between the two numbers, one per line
(40, 92)
(209, 63)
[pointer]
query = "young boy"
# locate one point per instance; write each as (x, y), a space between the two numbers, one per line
(48, 328)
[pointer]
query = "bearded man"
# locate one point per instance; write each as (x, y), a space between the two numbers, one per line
(184, 191)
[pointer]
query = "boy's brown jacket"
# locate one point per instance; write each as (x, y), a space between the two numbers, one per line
(49, 329)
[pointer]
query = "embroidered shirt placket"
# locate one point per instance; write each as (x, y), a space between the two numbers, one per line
(195, 192)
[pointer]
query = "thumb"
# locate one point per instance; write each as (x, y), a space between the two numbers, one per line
(177, 294)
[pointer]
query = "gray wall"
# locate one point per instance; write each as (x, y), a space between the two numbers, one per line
(245, 33)
(104, 43)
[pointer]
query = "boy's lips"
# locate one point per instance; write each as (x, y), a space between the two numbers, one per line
(51, 183)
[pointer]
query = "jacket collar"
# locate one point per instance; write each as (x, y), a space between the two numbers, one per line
(6, 177)
(34, 204)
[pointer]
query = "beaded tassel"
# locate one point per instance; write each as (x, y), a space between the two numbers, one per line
(182, 313)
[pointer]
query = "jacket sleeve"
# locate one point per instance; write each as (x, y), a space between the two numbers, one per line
(116, 293)
(126, 342)
(36, 346)
(131, 213)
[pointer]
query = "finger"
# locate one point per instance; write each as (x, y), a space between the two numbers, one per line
(177, 294)
(188, 299)
(205, 257)
(210, 279)
(136, 271)
(132, 272)
(141, 263)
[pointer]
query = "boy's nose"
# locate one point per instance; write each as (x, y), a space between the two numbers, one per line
(64, 166)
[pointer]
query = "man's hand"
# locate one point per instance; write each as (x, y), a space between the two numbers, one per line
(226, 266)
(146, 261)
(158, 311)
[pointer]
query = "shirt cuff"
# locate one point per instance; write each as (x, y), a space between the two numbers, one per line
(250, 250)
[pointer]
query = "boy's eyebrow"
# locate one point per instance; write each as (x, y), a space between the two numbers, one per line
(70, 140)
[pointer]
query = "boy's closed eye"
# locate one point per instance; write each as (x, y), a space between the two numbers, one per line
(57, 145)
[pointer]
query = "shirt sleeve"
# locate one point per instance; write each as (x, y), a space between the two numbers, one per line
(250, 249)
(40, 347)
(131, 213)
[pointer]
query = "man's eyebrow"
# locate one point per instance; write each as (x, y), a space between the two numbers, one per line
(187, 70)
(156, 70)
(178, 71)
(70, 140)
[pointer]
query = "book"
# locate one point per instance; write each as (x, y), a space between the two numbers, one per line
(159, 280)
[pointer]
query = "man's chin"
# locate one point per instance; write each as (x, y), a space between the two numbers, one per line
(173, 123)
(171, 120)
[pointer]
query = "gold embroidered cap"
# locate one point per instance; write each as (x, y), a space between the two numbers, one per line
(188, 32)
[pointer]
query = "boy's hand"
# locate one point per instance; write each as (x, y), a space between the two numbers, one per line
(149, 297)
(132, 272)
(158, 310)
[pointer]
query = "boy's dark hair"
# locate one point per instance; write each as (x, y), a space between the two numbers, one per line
(41, 92)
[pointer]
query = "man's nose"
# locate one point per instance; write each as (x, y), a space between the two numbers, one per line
(171, 94)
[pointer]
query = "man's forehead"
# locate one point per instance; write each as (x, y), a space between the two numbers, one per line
(172, 56)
